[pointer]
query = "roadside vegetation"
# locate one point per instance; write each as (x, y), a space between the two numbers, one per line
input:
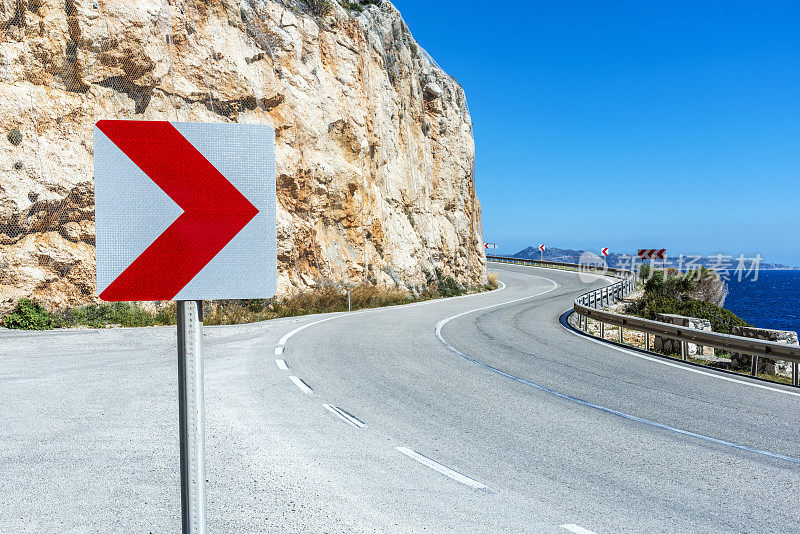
(694, 294)
(321, 8)
(359, 5)
(697, 294)
(30, 315)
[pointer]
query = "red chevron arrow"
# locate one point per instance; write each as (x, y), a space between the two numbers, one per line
(214, 211)
(652, 253)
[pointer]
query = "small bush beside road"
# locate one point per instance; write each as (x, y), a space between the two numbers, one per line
(30, 315)
(118, 314)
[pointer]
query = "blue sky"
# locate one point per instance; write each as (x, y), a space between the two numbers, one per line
(629, 124)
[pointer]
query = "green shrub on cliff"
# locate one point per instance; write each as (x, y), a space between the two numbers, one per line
(359, 5)
(320, 8)
(15, 137)
(693, 294)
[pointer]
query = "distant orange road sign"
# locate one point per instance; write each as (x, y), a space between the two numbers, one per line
(652, 254)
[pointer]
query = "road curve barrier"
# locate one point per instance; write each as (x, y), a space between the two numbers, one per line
(589, 307)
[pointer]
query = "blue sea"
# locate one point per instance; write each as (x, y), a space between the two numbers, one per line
(772, 301)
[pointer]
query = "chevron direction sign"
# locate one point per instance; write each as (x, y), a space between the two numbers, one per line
(652, 254)
(184, 211)
(604, 251)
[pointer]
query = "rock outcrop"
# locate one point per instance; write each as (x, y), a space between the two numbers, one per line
(374, 141)
(673, 346)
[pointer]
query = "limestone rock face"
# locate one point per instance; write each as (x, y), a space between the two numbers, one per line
(374, 141)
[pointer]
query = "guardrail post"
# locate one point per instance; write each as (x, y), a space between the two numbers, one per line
(754, 365)
(684, 350)
(602, 330)
(646, 341)
(795, 369)
(621, 335)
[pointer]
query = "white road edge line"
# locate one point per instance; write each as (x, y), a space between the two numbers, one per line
(443, 322)
(684, 367)
(436, 466)
(576, 529)
(599, 407)
(344, 416)
(282, 365)
(299, 329)
(302, 385)
(279, 350)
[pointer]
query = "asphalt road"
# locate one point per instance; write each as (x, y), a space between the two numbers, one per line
(475, 414)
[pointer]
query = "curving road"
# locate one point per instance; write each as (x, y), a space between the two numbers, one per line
(474, 414)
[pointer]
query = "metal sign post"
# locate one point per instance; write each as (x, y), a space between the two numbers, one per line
(190, 401)
(185, 212)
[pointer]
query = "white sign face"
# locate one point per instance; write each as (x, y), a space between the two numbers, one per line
(490, 245)
(184, 211)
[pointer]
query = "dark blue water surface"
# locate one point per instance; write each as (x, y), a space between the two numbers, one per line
(772, 301)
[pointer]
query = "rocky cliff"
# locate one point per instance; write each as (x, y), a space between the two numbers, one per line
(374, 141)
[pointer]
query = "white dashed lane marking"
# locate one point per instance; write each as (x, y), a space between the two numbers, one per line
(576, 529)
(436, 466)
(349, 418)
(300, 384)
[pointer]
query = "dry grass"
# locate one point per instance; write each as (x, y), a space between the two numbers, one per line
(322, 300)
(493, 279)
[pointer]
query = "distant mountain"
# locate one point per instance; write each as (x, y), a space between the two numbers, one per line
(623, 260)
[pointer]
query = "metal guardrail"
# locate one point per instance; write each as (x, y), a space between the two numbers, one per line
(589, 306)
(619, 273)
